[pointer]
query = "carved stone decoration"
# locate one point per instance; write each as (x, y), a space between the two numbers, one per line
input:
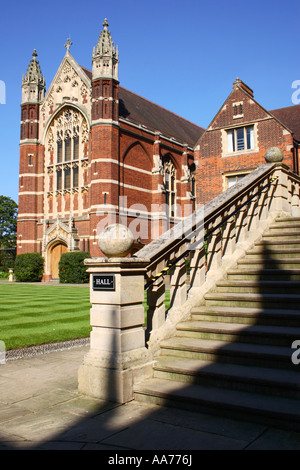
(84, 132)
(50, 141)
(158, 167)
(83, 90)
(186, 173)
(61, 232)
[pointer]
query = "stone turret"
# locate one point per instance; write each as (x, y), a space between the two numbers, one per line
(105, 56)
(33, 82)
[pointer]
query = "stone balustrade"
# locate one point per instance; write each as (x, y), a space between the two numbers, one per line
(212, 238)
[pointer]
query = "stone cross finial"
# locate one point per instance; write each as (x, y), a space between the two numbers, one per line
(68, 44)
(105, 24)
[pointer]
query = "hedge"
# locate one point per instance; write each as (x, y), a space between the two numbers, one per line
(29, 267)
(72, 269)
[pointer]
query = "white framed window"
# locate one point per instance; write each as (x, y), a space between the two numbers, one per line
(240, 139)
(231, 179)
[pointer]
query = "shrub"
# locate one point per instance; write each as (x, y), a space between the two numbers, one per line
(72, 269)
(29, 267)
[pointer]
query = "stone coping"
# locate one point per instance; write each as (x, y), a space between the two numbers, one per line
(175, 234)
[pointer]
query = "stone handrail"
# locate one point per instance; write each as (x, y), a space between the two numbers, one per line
(254, 201)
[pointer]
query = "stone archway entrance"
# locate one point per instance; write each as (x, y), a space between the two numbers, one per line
(56, 252)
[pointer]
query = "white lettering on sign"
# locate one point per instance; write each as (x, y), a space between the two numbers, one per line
(104, 282)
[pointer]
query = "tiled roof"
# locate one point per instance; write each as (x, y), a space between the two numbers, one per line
(290, 117)
(141, 111)
(138, 110)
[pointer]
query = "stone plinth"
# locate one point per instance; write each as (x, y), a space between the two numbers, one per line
(118, 357)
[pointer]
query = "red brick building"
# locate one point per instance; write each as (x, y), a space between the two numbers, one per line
(237, 139)
(92, 152)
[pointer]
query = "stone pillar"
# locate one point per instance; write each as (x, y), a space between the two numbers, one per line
(117, 357)
(214, 248)
(178, 287)
(197, 270)
(156, 315)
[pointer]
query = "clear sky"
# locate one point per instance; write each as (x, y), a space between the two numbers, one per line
(182, 55)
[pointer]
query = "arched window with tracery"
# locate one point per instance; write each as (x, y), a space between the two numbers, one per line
(169, 181)
(66, 154)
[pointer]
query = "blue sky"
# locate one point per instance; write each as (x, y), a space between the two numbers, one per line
(182, 55)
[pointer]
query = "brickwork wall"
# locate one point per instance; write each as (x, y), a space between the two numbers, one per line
(213, 161)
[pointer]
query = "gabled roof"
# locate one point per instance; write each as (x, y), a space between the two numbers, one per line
(78, 69)
(290, 117)
(138, 110)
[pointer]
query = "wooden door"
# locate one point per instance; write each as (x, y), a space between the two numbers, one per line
(56, 253)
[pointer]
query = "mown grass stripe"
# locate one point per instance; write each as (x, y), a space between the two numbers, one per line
(34, 314)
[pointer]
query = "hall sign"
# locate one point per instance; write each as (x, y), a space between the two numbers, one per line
(104, 282)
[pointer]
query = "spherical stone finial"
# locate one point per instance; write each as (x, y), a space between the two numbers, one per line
(116, 241)
(274, 154)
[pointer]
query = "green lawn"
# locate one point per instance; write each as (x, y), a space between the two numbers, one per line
(38, 314)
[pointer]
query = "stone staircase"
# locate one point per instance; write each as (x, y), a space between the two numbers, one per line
(234, 356)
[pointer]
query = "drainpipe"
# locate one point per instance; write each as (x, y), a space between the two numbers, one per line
(294, 160)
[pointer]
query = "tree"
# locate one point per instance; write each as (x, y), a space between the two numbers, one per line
(8, 222)
(8, 232)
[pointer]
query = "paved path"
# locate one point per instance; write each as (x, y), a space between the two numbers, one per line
(40, 408)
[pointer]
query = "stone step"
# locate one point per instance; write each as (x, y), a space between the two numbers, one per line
(287, 218)
(257, 286)
(236, 352)
(256, 272)
(268, 410)
(233, 376)
(280, 234)
(256, 334)
(268, 263)
(287, 225)
(278, 244)
(249, 316)
(234, 356)
(283, 301)
(257, 253)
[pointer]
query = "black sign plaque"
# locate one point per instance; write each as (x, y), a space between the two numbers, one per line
(104, 282)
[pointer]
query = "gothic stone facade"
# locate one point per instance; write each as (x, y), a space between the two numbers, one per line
(93, 153)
